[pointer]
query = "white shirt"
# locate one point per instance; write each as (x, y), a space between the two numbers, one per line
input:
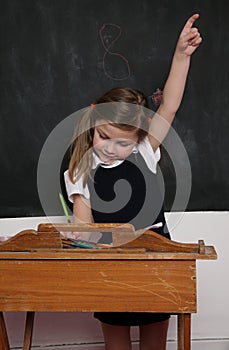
(144, 148)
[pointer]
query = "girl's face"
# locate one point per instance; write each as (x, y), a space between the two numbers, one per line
(111, 143)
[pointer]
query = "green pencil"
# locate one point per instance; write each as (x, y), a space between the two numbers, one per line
(64, 208)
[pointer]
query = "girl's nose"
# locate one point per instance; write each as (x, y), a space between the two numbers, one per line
(109, 147)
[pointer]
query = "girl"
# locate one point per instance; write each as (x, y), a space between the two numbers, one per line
(112, 175)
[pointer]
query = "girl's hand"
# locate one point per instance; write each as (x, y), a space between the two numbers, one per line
(190, 38)
(74, 235)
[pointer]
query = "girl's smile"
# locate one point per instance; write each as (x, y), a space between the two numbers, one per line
(111, 143)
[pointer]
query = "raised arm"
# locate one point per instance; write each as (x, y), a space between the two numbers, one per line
(188, 42)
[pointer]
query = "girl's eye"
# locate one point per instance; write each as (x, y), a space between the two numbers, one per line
(124, 144)
(103, 137)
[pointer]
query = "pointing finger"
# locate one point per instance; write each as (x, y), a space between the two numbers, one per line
(191, 20)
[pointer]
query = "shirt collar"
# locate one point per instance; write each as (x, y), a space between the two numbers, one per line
(97, 162)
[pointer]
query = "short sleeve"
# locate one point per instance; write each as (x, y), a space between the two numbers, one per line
(151, 158)
(75, 188)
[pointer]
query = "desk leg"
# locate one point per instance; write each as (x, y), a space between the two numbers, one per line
(28, 330)
(4, 342)
(184, 332)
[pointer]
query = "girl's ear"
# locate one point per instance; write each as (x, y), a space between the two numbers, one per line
(135, 150)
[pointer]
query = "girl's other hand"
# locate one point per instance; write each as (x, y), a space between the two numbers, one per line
(86, 236)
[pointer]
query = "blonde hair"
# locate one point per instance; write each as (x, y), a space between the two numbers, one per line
(123, 115)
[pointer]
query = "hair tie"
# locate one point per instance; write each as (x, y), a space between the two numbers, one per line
(157, 97)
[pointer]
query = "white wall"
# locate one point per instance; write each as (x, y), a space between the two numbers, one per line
(210, 326)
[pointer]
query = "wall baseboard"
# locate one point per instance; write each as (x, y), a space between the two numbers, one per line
(209, 344)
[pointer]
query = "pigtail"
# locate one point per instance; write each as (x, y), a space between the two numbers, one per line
(81, 158)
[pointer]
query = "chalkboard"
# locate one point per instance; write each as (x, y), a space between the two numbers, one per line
(58, 56)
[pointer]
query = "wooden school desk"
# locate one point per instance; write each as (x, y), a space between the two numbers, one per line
(148, 274)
